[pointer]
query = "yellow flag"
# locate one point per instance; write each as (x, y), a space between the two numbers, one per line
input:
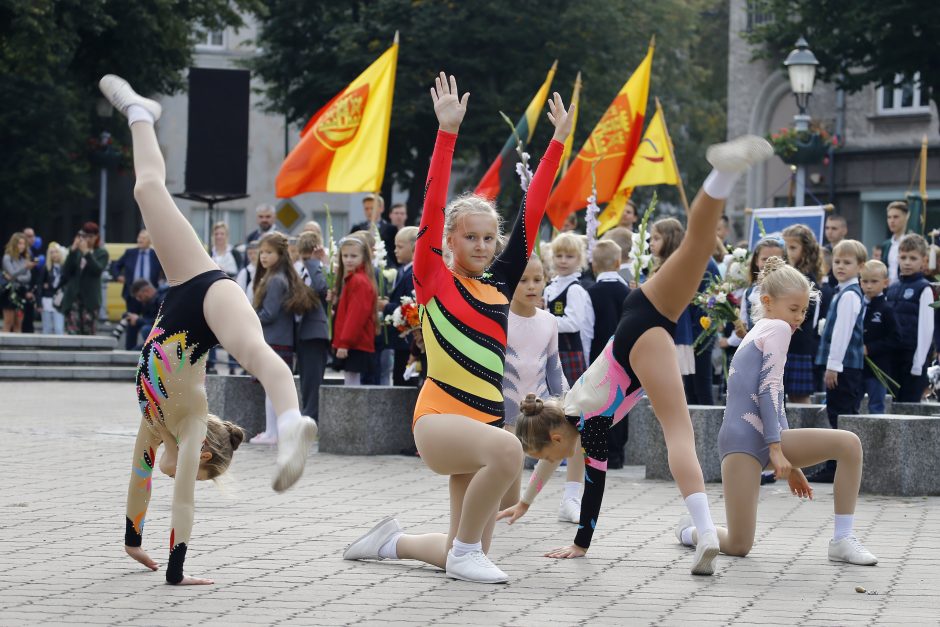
(653, 164)
(569, 143)
(343, 147)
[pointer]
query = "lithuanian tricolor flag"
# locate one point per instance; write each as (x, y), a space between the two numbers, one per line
(502, 171)
(343, 146)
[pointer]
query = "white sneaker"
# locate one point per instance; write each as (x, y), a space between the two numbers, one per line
(292, 452)
(850, 550)
(705, 552)
(366, 547)
(739, 154)
(685, 521)
(570, 511)
(474, 566)
(120, 94)
(263, 438)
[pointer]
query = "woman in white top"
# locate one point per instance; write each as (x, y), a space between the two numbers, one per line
(227, 258)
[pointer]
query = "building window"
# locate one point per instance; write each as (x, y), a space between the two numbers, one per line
(210, 39)
(758, 12)
(903, 98)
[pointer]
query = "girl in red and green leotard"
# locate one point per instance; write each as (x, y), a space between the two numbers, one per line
(465, 289)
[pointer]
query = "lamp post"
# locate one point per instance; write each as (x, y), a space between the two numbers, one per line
(104, 109)
(801, 66)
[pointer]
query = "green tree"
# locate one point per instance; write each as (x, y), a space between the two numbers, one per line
(500, 52)
(858, 43)
(52, 53)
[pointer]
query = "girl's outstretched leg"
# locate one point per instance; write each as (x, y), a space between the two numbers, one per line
(180, 252)
(673, 286)
(662, 382)
(805, 447)
(236, 326)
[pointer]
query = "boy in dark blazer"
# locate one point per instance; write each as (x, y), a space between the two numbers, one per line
(880, 331)
(404, 285)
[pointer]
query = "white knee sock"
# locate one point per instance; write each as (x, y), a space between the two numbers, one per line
(286, 419)
(136, 113)
(720, 184)
(572, 490)
(701, 516)
(270, 418)
(389, 550)
(462, 548)
(351, 378)
(843, 526)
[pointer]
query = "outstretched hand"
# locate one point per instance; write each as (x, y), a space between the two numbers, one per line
(448, 106)
(562, 119)
(799, 486)
(566, 552)
(513, 513)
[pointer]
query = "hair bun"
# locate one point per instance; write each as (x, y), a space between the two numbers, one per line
(235, 434)
(531, 405)
(770, 266)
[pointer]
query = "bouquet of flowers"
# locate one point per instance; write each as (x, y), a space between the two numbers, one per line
(720, 307)
(738, 261)
(406, 317)
(640, 255)
(330, 267)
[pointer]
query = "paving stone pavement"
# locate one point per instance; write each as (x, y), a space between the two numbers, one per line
(65, 455)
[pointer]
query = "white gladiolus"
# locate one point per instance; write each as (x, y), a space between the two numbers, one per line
(721, 297)
(739, 254)
(525, 174)
(591, 224)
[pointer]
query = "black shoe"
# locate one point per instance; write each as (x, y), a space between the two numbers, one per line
(409, 452)
(826, 475)
(614, 463)
(211, 370)
(766, 478)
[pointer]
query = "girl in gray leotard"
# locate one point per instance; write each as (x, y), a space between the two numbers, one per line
(755, 434)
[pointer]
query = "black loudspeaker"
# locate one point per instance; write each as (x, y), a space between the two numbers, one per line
(217, 147)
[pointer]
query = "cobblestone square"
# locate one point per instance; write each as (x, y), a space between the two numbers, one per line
(65, 456)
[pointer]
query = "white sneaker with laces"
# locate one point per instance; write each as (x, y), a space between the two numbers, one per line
(570, 511)
(705, 552)
(474, 566)
(739, 154)
(263, 438)
(850, 550)
(121, 95)
(292, 452)
(685, 521)
(366, 547)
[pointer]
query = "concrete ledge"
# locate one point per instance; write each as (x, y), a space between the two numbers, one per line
(900, 453)
(639, 422)
(68, 357)
(912, 409)
(239, 399)
(706, 421)
(35, 341)
(68, 373)
(366, 419)
(807, 416)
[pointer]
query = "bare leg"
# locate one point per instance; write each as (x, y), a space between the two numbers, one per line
(673, 286)
(662, 382)
(576, 465)
(512, 494)
(805, 447)
(178, 248)
(8, 317)
(432, 548)
(802, 399)
(236, 325)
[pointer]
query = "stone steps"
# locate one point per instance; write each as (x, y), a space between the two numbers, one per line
(68, 358)
(34, 341)
(67, 373)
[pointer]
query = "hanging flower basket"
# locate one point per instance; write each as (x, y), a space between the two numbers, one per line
(106, 152)
(802, 147)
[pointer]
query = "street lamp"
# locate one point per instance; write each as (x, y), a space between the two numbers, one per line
(801, 66)
(104, 109)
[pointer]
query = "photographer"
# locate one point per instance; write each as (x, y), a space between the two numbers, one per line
(150, 298)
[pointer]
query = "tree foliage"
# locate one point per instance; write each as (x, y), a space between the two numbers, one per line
(858, 43)
(500, 52)
(52, 53)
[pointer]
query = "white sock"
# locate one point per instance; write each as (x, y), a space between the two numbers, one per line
(572, 490)
(352, 378)
(701, 516)
(462, 548)
(136, 113)
(686, 536)
(389, 550)
(843, 526)
(720, 184)
(286, 419)
(270, 418)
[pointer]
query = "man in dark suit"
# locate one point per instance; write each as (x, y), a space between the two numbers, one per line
(264, 215)
(373, 206)
(403, 286)
(136, 263)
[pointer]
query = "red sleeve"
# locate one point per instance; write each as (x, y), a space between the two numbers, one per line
(511, 263)
(360, 305)
(428, 260)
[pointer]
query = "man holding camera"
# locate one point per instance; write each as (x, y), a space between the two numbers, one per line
(136, 263)
(148, 299)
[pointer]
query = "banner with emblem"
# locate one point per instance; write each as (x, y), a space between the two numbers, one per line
(611, 146)
(343, 146)
(771, 221)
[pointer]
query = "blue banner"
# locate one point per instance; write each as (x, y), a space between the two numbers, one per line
(776, 219)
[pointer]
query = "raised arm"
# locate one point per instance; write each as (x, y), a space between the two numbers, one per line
(512, 261)
(138, 493)
(192, 433)
(428, 260)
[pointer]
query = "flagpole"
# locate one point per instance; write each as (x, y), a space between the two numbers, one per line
(675, 164)
(575, 96)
